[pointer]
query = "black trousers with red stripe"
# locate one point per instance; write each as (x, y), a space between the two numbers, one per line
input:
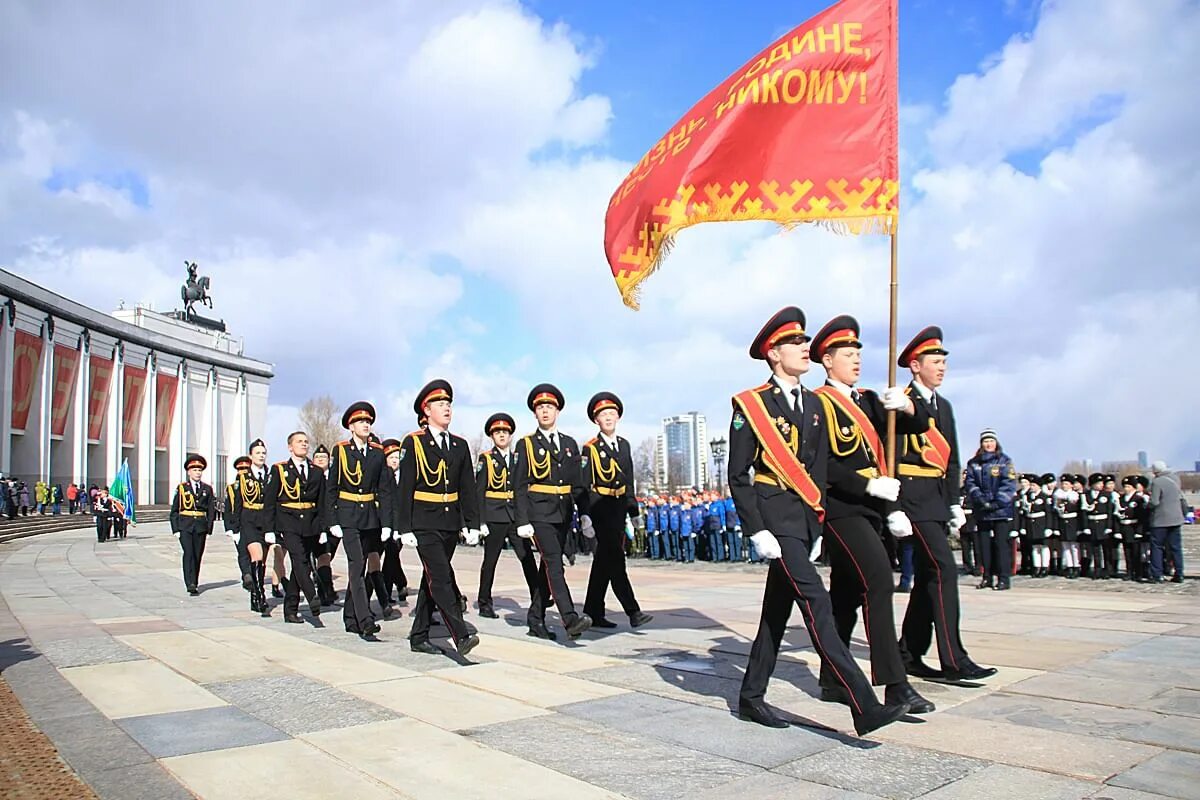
(861, 575)
(793, 579)
(933, 603)
(436, 548)
(552, 583)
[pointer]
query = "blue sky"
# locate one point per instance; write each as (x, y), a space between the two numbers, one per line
(425, 184)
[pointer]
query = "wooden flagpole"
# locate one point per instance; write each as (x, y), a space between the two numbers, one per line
(891, 419)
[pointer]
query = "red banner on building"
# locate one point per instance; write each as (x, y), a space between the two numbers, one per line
(134, 393)
(164, 408)
(66, 371)
(806, 131)
(101, 374)
(27, 357)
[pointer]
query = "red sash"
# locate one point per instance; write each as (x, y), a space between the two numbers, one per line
(937, 453)
(776, 453)
(855, 413)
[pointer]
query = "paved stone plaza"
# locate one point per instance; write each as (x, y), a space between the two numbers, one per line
(148, 693)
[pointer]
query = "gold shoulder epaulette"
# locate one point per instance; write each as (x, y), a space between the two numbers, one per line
(376, 445)
(343, 443)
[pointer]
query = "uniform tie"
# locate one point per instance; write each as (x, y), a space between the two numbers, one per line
(796, 399)
(303, 471)
(554, 443)
(445, 442)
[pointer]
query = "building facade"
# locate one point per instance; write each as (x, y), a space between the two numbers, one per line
(681, 457)
(83, 390)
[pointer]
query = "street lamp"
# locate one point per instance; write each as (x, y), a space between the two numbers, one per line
(717, 447)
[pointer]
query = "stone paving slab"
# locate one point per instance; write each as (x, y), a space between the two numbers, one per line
(537, 688)
(296, 705)
(185, 732)
(998, 780)
(893, 771)
(138, 688)
(87, 651)
(1170, 774)
(773, 786)
(444, 704)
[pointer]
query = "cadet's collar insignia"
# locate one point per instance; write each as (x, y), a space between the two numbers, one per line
(583, 462)
(739, 421)
(816, 420)
(995, 472)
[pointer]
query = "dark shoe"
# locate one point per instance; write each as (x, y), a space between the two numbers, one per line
(968, 671)
(760, 712)
(541, 632)
(424, 646)
(877, 717)
(369, 637)
(292, 617)
(373, 627)
(919, 669)
(314, 608)
(905, 587)
(486, 610)
(984, 584)
(276, 591)
(247, 583)
(1003, 587)
(1177, 579)
(638, 619)
(835, 694)
(904, 693)
(463, 606)
(467, 645)
(581, 624)
(193, 591)
(601, 622)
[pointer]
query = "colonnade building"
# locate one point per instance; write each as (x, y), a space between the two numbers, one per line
(82, 390)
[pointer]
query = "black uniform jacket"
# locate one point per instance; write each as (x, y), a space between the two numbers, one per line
(765, 505)
(495, 486)
(548, 483)
(193, 512)
(608, 474)
(359, 490)
(295, 505)
(247, 502)
(437, 489)
(925, 496)
(852, 462)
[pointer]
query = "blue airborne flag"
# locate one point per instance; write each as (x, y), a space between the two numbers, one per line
(121, 493)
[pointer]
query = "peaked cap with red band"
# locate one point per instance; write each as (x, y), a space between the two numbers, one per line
(360, 410)
(195, 460)
(390, 446)
(545, 393)
(436, 389)
(841, 331)
(242, 463)
(926, 343)
(787, 323)
(499, 422)
(603, 400)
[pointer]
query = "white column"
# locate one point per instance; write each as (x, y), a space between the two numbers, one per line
(243, 422)
(6, 391)
(214, 414)
(43, 409)
(144, 443)
(177, 450)
(116, 403)
(83, 388)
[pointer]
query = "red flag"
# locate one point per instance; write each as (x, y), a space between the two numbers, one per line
(806, 131)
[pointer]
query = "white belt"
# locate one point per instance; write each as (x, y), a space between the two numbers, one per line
(1072, 515)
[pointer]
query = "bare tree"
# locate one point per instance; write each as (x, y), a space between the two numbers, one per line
(643, 466)
(320, 420)
(1074, 468)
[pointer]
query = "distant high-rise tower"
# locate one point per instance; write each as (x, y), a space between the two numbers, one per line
(1143, 460)
(683, 446)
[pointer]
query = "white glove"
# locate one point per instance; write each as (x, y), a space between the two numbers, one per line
(336, 530)
(1013, 534)
(1072, 496)
(894, 399)
(899, 524)
(957, 517)
(525, 531)
(323, 538)
(229, 534)
(766, 544)
(269, 537)
(1060, 494)
(471, 536)
(175, 534)
(237, 538)
(385, 534)
(586, 527)
(483, 531)
(884, 488)
(815, 553)
(409, 539)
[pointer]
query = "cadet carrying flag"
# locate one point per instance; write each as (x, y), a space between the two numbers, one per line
(121, 493)
(806, 131)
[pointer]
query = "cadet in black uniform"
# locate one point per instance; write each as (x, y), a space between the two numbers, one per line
(358, 495)
(549, 488)
(494, 484)
(253, 524)
(295, 495)
(1131, 507)
(1067, 522)
(376, 580)
(608, 473)
(193, 510)
(329, 544)
(1036, 506)
(435, 504)
(229, 519)
(778, 454)
(860, 497)
(930, 472)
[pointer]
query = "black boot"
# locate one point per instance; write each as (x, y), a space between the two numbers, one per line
(325, 581)
(375, 581)
(264, 608)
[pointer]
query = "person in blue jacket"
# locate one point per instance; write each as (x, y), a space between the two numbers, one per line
(673, 521)
(733, 530)
(697, 524)
(653, 543)
(687, 539)
(715, 527)
(991, 488)
(664, 528)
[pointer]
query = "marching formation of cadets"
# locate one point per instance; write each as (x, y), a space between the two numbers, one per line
(807, 473)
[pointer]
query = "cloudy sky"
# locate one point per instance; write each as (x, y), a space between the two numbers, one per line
(383, 193)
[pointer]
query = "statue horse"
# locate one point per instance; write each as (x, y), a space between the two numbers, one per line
(195, 290)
